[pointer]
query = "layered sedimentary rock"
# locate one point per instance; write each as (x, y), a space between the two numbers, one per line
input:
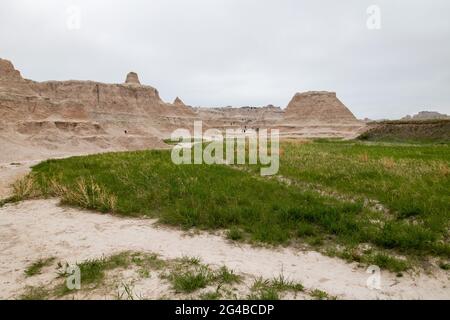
(319, 114)
(178, 102)
(427, 115)
(318, 107)
(309, 114)
(60, 117)
(132, 78)
(83, 116)
(241, 118)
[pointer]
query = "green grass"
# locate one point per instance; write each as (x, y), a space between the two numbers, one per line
(190, 275)
(327, 204)
(35, 293)
(93, 273)
(212, 295)
(320, 295)
(410, 131)
(192, 280)
(37, 266)
(264, 289)
(226, 276)
(207, 197)
(235, 234)
(411, 181)
(444, 266)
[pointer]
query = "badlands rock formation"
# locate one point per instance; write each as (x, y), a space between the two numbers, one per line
(320, 113)
(309, 114)
(132, 78)
(318, 107)
(52, 118)
(41, 119)
(427, 115)
(178, 102)
(241, 118)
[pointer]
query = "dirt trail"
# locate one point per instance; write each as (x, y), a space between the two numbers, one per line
(41, 228)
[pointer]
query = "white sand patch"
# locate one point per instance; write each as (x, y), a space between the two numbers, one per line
(40, 228)
(10, 172)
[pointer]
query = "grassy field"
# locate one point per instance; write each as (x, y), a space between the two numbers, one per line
(384, 204)
(409, 131)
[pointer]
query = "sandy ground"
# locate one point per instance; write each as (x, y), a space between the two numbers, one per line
(10, 172)
(41, 228)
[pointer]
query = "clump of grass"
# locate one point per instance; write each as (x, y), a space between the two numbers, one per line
(191, 280)
(188, 275)
(35, 293)
(86, 194)
(387, 262)
(147, 262)
(6, 201)
(369, 257)
(266, 294)
(93, 271)
(212, 295)
(235, 234)
(282, 284)
(226, 276)
(37, 266)
(444, 266)
(195, 261)
(320, 295)
(25, 188)
(264, 289)
(126, 293)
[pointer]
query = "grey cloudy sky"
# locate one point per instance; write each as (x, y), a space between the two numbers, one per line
(243, 52)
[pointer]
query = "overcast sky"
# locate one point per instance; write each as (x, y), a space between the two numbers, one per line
(242, 52)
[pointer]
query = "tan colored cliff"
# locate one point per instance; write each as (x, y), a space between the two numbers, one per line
(58, 117)
(83, 116)
(318, 107)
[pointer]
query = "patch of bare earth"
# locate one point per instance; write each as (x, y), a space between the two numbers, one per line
(36, 229)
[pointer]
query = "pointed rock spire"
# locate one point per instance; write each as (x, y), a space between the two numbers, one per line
(8, 72)
(132, 78)
(178, 102)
